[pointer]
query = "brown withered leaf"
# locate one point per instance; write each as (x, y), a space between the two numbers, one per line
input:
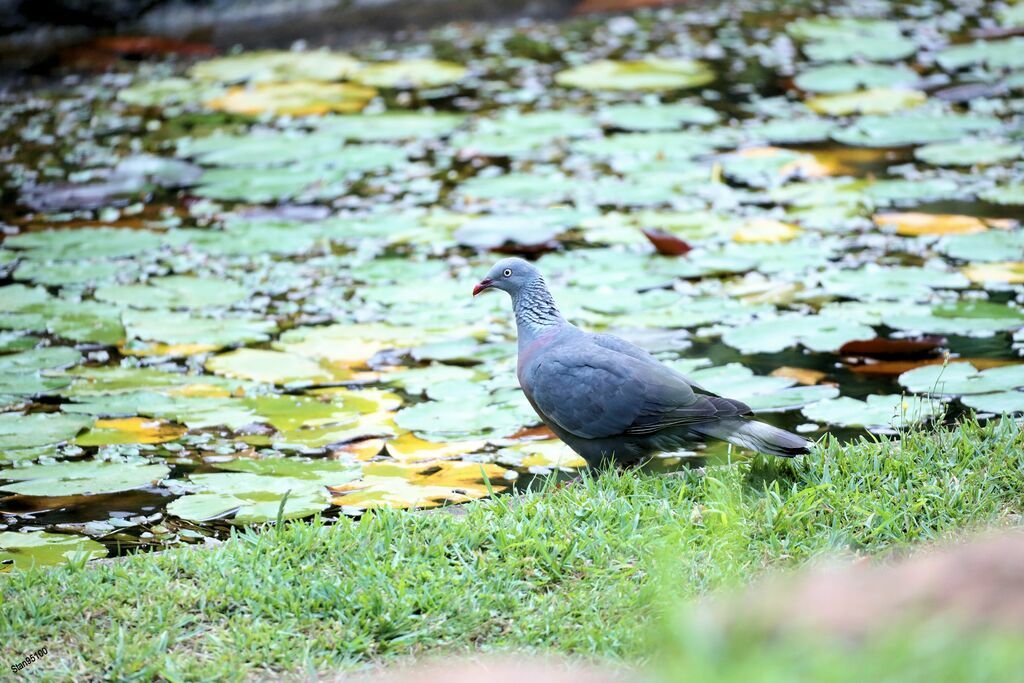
(666, 243)
(881, 347)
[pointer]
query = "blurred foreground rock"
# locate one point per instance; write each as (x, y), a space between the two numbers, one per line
(975, 584)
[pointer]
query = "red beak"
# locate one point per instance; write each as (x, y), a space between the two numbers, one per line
(481, 286)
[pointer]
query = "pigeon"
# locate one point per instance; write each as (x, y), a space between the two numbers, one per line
(612, 401)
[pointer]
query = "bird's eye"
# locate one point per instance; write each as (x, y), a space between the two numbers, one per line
(508, 272)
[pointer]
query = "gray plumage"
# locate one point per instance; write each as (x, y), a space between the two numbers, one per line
(609, 399)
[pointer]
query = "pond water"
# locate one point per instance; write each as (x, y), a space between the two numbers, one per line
(236, 288)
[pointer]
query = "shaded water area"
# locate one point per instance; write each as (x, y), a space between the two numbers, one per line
(235, 287)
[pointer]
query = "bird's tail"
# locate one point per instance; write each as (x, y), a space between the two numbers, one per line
(757, 436)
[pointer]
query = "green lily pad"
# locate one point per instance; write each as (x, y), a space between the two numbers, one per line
(168, 327)
(39, 429)
(969, 152)
(26, 549)
(20, 372)
(276, 66)
(656, 116)
(1009, 195)
(249, 498)
(273, 367)
(82, 478)
(392, 125)
(164, 92)
(816, 332)
(989, 246)
(790, 131)
(913, 128)
(84, 243)
(272, 184)
(518, 133)
(458, 419)
(298, 151)
(411, 73)
(841, 78)
(829, 39)
(898, 283)
(85, 321)
(1000, 402)
(878, 411)
(530, 228)
(175, 291)
(651, 74)
(995, 54)
(956, 379)
(91, 272)
(17, 341)
(968, 318)
(763, 393)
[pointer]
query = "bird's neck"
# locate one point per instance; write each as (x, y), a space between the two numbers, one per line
(535, 309)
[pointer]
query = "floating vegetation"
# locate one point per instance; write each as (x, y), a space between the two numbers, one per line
(236, 289)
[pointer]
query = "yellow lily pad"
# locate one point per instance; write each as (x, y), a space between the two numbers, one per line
(364, 450)
(417, 485)
(130, 430)
(546, 453)
(1010, 272)
(870, 101)
(765, 230)
(915, 224)
(137, 348)
(411, 73)
(410, 448)
(272, 367)
(300, 98)
(652, 74)
(276, 66)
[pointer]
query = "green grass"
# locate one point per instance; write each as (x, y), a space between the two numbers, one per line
(586, 570)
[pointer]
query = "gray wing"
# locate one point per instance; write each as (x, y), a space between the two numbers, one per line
(620, 345)
(595, 392)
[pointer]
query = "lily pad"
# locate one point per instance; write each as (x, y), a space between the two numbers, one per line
(39, 429)
(651, 74)
(969, 152)
(172, 328)
(1000, 402)
(417, 485)
(877, 411)
(129, 430)
(1010, 195)
(763, 393)
(20, 373)
(991, 246)
(656, 116)
(392, 125)
(273, 367)
(844, 78)
(411, 73)
(995, 54)
(871, 101)
(913, 128)
(175, 291)
(276, 66)
(816, 332)
(81, 478)
(298, 98)
(844, 38)
(255, 493)
(27, 549)
(955, 379)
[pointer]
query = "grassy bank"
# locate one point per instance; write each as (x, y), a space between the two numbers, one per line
(580, 570)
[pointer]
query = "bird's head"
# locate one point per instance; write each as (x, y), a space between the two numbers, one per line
(509, 274)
